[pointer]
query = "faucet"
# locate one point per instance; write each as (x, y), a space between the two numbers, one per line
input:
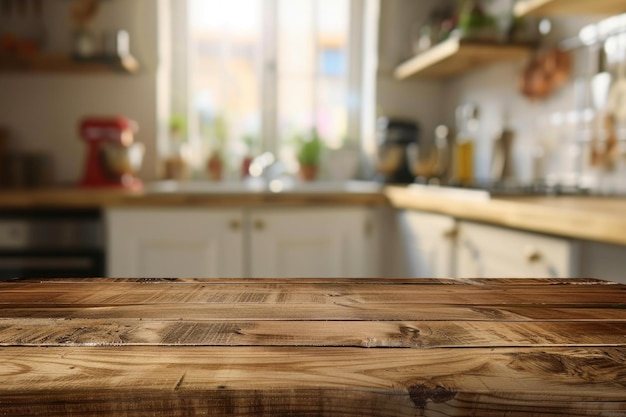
(266, 166)
(271, 171)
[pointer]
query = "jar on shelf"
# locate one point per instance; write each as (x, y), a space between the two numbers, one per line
(475, 24)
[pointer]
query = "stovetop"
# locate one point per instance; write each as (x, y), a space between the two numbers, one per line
(485, 191)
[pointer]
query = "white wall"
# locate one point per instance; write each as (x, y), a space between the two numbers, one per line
(495, 90)
(416, 99)
(42, 111)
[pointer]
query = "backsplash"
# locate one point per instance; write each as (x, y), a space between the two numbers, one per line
(548, 132)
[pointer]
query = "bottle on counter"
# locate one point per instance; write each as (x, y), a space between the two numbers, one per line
(467, 128)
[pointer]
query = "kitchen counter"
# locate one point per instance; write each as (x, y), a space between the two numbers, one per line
(217, 197)
(267, 347)
(594, 218)
(581, 217)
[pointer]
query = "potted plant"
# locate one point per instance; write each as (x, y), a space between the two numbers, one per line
(251, 142)
(176, 163)
(309, 156)
(216, 162)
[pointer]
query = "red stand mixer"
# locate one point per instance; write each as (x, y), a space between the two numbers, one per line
(113, 156)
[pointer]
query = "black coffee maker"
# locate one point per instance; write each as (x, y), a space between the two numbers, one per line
(395, 136)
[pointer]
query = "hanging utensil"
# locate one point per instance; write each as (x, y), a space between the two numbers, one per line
(600, 88)
(616, 111)
(546, 72)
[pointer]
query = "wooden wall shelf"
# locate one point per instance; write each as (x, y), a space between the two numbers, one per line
(569, 7)
(64, 64)
(454, 57)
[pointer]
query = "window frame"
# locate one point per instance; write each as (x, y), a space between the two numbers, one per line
(362, 59)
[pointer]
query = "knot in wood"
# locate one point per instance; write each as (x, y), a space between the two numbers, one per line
(422, 394)
(409, 331)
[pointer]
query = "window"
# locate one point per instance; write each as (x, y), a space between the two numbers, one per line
(259, 73)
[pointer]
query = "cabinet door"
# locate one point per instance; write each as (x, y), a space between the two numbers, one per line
(495, 252)
(158, 243)
(602, 261)
(316, 243)
(427, 244)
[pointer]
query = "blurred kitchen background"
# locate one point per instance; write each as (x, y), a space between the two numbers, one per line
(242, 77)
(197, 96)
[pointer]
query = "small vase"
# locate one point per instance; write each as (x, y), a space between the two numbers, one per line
(215, 167)
(245, 166)
(308, 172)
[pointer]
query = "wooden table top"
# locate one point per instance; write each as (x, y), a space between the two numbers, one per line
(269, 347)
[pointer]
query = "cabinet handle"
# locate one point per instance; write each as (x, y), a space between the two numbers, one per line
(451, 233)
(259, 224)
(234, 225)
(533, 255)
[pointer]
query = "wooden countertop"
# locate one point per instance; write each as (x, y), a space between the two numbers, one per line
(594, 218)
(268, 347)
(94, 198)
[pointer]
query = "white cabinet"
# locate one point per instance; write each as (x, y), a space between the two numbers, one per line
(272, 242)
(317, 243)
(495, 252)
(427, 244)
(603, 261)
(158, 243)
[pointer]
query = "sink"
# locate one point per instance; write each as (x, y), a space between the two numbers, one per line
(203, 187)
(450, 192)
(285, 185)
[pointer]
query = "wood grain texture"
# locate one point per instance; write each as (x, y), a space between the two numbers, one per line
(306, 292)
(181, 347)
(368, 334)
(407, 382)
(328, 312)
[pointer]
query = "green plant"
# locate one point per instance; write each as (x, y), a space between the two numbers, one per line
(251, 141)
(473, 18)
(178, 125)
(220, 132)
(310, 151)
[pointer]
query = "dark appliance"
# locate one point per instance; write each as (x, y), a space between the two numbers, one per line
(57, 244)
(394, 137)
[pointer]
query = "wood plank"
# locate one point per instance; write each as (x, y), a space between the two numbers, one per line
(569, 7)
(64, 64)
(300, 402)
(508, 282)
(296, 381)
(330, 312)
(262, 293)
(368, 334)
(267, 347)
(285, 281)
(454, 56)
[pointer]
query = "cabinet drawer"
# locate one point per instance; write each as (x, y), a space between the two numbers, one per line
(496, 252)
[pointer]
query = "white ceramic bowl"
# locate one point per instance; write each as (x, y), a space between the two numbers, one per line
(120, 161)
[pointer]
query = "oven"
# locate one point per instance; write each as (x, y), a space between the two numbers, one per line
(51, 244)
